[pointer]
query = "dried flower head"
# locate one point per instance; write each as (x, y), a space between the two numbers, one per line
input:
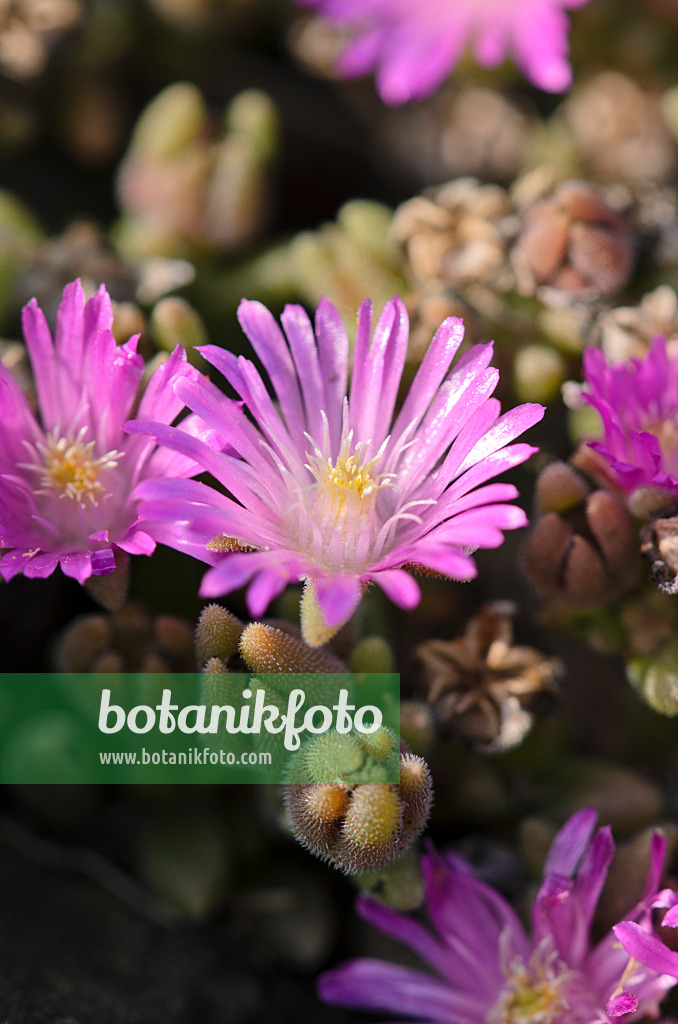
(67, 478)
(487, 969)
(659, 537)
(481, 685)
(413, 47)
(333, 488)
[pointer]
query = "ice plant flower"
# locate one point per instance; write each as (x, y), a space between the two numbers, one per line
(413, 46)
(488, 970)
(67, 474)
(638, 405)
(331, 487)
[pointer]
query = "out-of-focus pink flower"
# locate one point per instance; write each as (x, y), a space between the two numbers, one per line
(412, 45)
(330, 486)
(638, 405)
(67, 476)
(487, 970)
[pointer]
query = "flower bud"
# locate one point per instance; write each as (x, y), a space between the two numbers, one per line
(266, 649)
(372, 654)
(399, 885)
(217, 634)
(175, 322)
(314, 626)
(111, 591)
(655, 678)
(539, 372)
(362, 827)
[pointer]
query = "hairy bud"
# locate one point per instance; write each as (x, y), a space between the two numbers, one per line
(366, 826)
(217, 634)
(267, 649)
(656, 678)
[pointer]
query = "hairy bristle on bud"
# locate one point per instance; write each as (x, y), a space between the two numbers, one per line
(265, 649)
(217, 634)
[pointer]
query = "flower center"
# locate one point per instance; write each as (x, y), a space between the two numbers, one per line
(346, 491)
(67, 467)
(534, 992)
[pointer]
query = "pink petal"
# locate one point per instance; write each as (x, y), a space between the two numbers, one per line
(399, 587)
(338, 597)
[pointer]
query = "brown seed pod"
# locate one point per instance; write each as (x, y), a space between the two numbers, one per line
(574, 242)
(583, 548)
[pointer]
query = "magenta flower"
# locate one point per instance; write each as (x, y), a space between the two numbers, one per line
(412, 45)
(331, 487)
(487, 970)
(67, 475)
(638, 404)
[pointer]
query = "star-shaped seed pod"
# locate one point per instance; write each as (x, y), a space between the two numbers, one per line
(481, 685)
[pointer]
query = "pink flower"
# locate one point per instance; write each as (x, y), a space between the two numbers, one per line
(333, 487)
(412, 45)
(638, 405)
(67, 475)
(487, 970)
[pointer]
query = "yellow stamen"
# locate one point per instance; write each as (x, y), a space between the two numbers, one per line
(349, 486)
(68, 468)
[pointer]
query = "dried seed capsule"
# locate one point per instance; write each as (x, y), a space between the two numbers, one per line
(574, 242)
(482, 686)
(583, 550)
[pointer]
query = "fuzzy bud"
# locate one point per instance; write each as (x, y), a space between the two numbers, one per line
(399, 885)
(362, 827)
(217, 634)
(656, 678)
(110, 591)
(175, 322)
(315, 628)
(216, 685)
(417, 726)
(372, 654)
(82, 643)
(266, 649)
